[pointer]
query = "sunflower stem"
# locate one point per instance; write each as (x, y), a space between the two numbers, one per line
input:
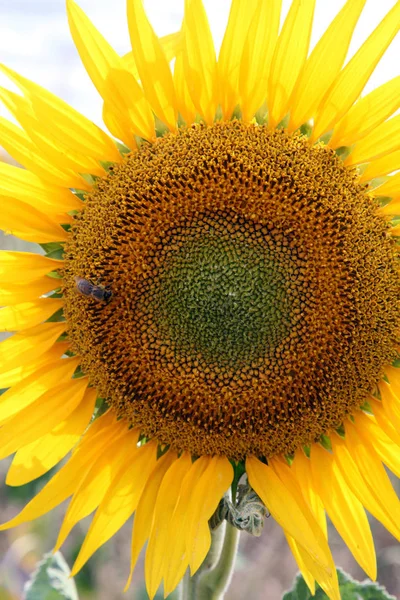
(214, 580)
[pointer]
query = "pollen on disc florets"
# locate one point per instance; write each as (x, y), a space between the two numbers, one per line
(255, 290)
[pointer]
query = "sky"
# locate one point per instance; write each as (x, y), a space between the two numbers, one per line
(35, 39)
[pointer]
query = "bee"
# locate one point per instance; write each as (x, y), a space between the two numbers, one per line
(98, 292)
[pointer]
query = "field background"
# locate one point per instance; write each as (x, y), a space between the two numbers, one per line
(34, 40)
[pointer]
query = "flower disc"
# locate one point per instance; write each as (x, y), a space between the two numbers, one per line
(255, 290)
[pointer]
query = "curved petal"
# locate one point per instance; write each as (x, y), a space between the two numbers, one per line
(66, 480)
(289, 58)
(15, 293)
(17, 350)
(97, 481)
(323, 64)
(26, 186)
(230, 56)
(28, 314)
(167, 499)
(381, 166)
(152, 65)
(38, 457)
(17, 374)
(41, 416)
(199, 61)
(20, 146)
(25, 266)
(345, 510)
(29, 224)
(258, 50)
(367, 114)
(33, 386)
(145, 511)
(383, 140)
(352, 79)
(67, 124)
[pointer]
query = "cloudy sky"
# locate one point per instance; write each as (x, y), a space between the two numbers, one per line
(35, 39)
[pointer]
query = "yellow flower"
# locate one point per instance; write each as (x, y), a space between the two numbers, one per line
(230, 286)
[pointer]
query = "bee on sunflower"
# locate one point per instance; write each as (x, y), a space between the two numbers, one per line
(220, 292)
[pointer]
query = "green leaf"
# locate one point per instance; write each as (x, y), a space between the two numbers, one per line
(349, 590)
(51, 581)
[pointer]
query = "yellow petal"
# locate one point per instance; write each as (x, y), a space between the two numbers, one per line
(207, 493)
(390, 427)
(171, 44)
(55, 150)
(289, 57)
(145, 511)
(117, 86)
(381, 166)
(15, 293)
(67, 124)
(159, 541)
(393, 374)
(28, 187)
(392, 208)
(119, 502)
(152, 65)
(367, 114)
(374, 474)
(352, 79)
(186, 107)
(38, 457)
(177, 560)
(25, 266)
(28, 223)
(33, 386)
(291, 513)
(383, 140)
(118, 125)
(230, 56)
(66, 480)
(199, 61)
(324, 64)
(390, 403)
(353, 474)
(41, 416)
(18, 349)
(298, 554)
(387, 450)
(391, 187)
(131, 104)
(28, 314)
(301, 467)
(14, 376)
(344, 509)
(94, 486)
(20, 146)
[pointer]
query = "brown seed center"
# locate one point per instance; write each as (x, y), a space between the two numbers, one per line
(255, 290)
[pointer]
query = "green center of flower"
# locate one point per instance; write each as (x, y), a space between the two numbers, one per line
(218, 298)
(255, 290)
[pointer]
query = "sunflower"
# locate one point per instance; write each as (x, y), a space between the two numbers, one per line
(220, 292)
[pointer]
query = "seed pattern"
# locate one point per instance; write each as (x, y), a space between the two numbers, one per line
(255, 290)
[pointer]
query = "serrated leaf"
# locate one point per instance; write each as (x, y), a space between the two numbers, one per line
(350, 589)
(51, 580)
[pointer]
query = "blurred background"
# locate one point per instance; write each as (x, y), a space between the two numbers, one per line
(35, 40)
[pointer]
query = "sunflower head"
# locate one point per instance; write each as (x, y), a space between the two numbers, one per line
(221, 281)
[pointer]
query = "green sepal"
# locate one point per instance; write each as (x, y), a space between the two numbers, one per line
(350, 589)
(81, 194)
(326, 442)
(123, 149)
(57, 317)
(306, 129)
(51, 580)
(343, 152)
(238, 469)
